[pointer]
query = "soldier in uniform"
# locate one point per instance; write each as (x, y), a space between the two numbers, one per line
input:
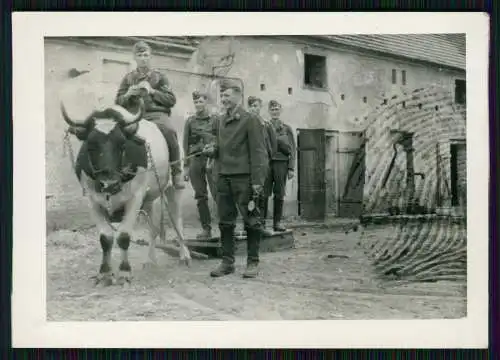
(197, 134)
(153, 87)
(240, 152)
(254, 106)
(283, 162)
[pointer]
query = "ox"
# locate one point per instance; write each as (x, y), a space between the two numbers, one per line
(123, 167)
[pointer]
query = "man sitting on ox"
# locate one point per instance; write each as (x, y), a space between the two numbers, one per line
(153, 88)
(123, 166)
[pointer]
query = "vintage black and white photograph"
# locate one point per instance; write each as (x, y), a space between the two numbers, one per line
(256, 177)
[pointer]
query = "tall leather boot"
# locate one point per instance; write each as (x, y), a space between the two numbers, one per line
(278, 214)
(253, 243)
(263, 209)
(205, 220)
(226, 266)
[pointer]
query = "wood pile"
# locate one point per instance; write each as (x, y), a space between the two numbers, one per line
(422, 248)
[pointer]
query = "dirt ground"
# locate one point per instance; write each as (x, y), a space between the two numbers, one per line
(326, 276)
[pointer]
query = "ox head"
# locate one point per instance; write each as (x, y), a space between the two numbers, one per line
(105, 134)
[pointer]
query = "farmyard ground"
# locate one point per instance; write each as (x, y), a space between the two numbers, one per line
(326, 276)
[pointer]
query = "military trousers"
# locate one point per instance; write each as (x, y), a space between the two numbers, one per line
(276, 181)
(234, 192)
(202, 180)
(164, 124)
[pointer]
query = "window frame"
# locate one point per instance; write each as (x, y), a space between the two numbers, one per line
(316, 53)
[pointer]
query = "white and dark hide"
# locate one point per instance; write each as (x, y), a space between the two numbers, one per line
(124, 168)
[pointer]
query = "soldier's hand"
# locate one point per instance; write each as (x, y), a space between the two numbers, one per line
(186, 174)
(134, 90)
(146, 85)
(257, 189)
(290, 174)
(208, 149)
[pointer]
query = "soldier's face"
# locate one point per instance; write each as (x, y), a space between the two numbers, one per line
(200, 104)
(230, 98)
(255, 107)
(143, 59)
(275, 112)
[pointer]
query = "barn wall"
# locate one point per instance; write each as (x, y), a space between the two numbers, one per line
(270, 68)
(276, 64)
(436, 122)
(66, 207)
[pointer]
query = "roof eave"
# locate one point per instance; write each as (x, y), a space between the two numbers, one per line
(328, 41)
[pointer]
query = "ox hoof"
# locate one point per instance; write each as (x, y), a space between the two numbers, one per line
(124, 279)
(106, 279)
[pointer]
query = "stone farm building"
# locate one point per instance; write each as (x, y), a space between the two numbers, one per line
(355, 103)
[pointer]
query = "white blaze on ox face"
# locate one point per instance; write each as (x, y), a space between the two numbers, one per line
(105, 125)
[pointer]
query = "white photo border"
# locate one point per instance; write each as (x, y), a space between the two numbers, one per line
(29, 325)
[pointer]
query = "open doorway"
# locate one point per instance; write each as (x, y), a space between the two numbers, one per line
(458, 173)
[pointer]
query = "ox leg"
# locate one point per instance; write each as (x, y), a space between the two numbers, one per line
(125, 269)
(174, 198)
(124, 238)
(153, 234)
(105, 276)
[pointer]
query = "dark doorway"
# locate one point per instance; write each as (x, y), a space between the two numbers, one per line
(311, 197)
(460, 92)
(458, 172)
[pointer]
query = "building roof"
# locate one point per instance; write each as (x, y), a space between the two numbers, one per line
(440, 49)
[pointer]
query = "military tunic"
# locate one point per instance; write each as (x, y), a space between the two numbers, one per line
(283, 160)
(198, 133)
(157, 106)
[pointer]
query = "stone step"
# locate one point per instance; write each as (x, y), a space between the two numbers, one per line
(278, 241)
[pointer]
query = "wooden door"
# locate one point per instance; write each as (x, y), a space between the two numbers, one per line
(311, 195)
(351, 174)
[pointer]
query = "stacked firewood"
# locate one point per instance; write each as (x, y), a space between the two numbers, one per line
(424, 250)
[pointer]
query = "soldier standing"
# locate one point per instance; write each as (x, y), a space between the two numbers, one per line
(283, 162)
(242, 161)
(254, 106)
(153, 87)
(197, 134)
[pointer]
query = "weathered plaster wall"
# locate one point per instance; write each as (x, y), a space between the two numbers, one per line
(277, 64)
(66, 207)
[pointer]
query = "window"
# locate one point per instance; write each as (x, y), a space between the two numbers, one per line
(315, 71)
(403, 77)
(114, 70)
(394, 74)
(460, 93)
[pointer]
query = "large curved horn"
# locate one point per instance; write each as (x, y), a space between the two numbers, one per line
(71, 123)
(124, 117)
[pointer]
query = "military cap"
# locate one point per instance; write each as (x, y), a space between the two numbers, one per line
(198, 94)
(229, 84)
(141, 46)
(253, 99)
(274, 103)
